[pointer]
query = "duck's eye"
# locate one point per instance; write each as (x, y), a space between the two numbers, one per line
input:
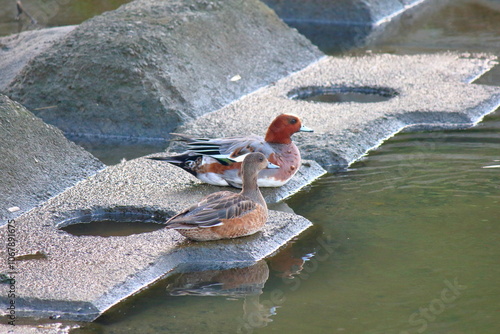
(293, 121)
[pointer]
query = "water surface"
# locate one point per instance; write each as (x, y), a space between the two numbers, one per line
(50, 13)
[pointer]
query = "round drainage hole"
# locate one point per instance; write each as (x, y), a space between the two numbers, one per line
(107, 225)
(343, 94)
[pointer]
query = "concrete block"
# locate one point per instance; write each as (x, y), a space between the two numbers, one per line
(37, 162)
(343, 24)
(142, 69)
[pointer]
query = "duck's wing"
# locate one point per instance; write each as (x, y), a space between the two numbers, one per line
(212, 210)
(224, 148)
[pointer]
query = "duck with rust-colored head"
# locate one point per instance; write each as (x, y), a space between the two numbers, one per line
(207, 159)
(225, 214)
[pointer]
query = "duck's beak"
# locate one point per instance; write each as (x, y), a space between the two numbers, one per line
(272, 166)
(305, 129)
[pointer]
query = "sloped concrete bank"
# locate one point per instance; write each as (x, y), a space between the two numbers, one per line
(37, 162)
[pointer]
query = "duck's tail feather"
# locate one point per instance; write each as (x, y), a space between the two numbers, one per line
(186, 161)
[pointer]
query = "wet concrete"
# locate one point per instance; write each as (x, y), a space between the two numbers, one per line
(340, 25)
(430, 92)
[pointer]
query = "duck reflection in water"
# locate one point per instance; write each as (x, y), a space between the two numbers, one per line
(242, 283)
(239, 283)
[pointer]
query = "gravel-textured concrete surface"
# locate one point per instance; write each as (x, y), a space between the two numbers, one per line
(17, 50)
(140, 70)
(78, 277)
(429, 92)
(37, 162)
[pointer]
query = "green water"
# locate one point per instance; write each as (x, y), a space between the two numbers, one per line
(50, 13)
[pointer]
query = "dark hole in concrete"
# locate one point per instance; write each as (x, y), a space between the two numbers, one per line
(113, 224)
(340, 94)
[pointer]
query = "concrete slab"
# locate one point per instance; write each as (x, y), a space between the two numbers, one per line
(424, 92)
(65, 276)
(37, 161)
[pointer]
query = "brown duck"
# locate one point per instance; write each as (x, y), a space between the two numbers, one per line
(225, 214)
